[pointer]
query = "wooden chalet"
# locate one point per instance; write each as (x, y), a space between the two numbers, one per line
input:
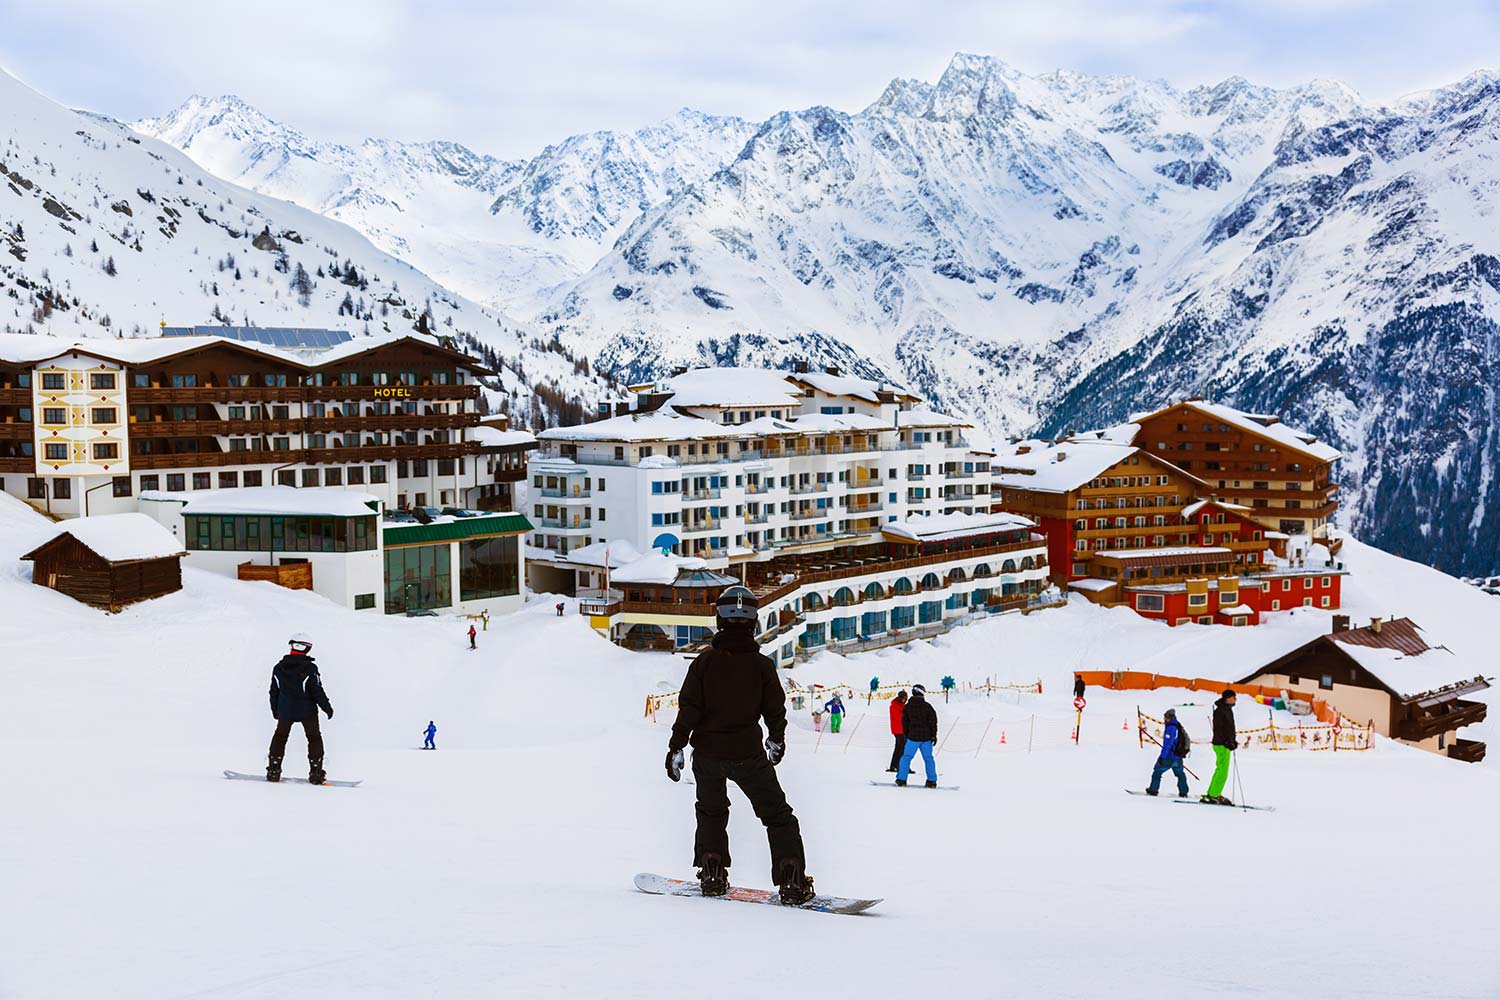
(1387, 672)
(109, 561)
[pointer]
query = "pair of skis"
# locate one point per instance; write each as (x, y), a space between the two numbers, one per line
(1200, 802)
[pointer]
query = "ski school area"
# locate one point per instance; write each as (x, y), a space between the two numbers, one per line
(503, 863)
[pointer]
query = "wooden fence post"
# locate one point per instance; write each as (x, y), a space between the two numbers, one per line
(850, 738)
(986, 732)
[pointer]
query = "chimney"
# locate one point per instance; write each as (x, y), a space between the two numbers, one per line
(832, 369)
(1062, 455)
(1340, 624)
(1375, 625)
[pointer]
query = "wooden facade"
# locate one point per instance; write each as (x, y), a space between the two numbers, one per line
(291, 575)
(68, 566)
(1288, 489)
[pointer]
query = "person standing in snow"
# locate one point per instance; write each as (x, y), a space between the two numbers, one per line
(472, 634)
(1169, 759)
(898, 705)
(296, 695)
(1225, 743)
(559, 609)
(835, 710)
(920, 726)
(730, 687)
(430, 743)
(1078, 685)
(817, 720)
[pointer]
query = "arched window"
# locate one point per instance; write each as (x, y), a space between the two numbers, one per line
(931, 582)
(1009, 566)
(843, 597)
(812, 601)
(903, 585)
(1027, 562)
(983, 569)
(874, 592)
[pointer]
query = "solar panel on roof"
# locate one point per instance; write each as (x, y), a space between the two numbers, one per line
(275, 336)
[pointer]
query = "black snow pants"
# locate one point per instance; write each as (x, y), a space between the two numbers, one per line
(757, 779)
(896, 754)
(310, 730)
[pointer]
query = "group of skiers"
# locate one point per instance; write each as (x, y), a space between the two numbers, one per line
(1175, 745)
(914, 725)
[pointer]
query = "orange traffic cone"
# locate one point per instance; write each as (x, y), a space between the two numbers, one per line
(1125, 726)
(1002, 737)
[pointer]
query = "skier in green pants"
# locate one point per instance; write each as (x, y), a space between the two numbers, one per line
(835, 710)
(1224, 745)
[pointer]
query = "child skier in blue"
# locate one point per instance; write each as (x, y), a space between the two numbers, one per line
(431, 736)
(835, 710)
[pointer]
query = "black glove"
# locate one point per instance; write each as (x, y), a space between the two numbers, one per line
(775, 751)
(674, 765)
(330, 713)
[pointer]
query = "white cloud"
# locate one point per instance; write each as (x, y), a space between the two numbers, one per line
(511, 77)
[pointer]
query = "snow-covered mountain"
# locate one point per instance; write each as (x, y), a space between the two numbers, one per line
(1055, 251)
(103, 231)
(500, 232)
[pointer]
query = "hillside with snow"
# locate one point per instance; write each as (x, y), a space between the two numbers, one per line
(106, 233)
(502, 862)
(1040, 252)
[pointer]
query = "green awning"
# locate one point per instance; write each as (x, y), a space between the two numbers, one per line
(455, 530)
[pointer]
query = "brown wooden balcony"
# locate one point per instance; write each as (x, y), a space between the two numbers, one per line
(389, 452)
(143, 395)
(392, 421)
(1444, 718)
(389, 393)
(211, 428)
(22, 464)
(16, 432)
(10, 396)
(208, 459)
(1470, 751)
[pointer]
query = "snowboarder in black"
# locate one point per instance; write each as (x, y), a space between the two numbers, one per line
(1078, 686)
(296, 695)
(729, 688)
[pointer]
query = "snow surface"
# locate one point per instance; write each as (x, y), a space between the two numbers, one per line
(1057, 469)
(938, 527)
(122, 537)
(315, 500)
(500, 865)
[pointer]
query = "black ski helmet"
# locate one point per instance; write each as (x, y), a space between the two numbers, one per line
(738, 604)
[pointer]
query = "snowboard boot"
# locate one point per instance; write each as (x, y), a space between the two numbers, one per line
(713, 877)
(931, 784)
(1151, 793)
(1183, 795)
(315, 773)
(796, 887)
(900, 782)
(273, 768)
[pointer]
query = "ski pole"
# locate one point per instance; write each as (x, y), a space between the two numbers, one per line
(1184, 763)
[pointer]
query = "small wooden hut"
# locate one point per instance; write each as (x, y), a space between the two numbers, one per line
(109, 561)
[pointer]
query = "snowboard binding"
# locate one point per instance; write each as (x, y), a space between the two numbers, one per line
(273, 768)
(713, 877)
(315, 773)
(796, 886)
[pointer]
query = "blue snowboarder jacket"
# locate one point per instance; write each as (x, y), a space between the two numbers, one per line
(1169, 742)
(835, 707)
(431, 730)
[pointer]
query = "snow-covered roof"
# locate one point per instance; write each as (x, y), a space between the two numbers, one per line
(921, 416)
(1059, 468)
(840, 422)
(1263, 424)
(941, 527)
(312, 501)
(494, 437)
(621, 552)
(664, 424)
(122, 537)
(1409, 674)
(1198, 505)
(1117, 434)
(656, 567)
(143, 350)
(1238, 609)
(736, 387)
(1093, 585)
(849, 385)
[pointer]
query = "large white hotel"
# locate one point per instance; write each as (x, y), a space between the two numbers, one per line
(818, 490)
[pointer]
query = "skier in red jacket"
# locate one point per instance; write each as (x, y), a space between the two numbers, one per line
(898, 703)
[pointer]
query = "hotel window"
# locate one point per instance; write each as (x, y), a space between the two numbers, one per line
(238, 381)
(176, 482)
(349, 378)
(407, 378)
(184, 381)
(276, 381)
(356, 475)
(1307, 602)
(106, 451)
(150, 483)
(380, 378)
(281, 444)
(377, 473)
(105, 415)
(253, 477)
(36, 489)
(1150, 602)
(101, 380)
(281, 413)
(1327, 601)
(237, 444)
(286, 477)
(121, 486)
(1327, 581)
(1276, 606)
(1206, 620)
(1286, 585)
(1307, 583)
(236, 413)
(228, 480)
(309, 477)
(363, 601)
(55, 452)
(1197, 600)
(54, 380)
(63, 489)
(201, 481)
(1326, 682)
(54, 415)
(333, 477)
(1229, 598)
(141, 380)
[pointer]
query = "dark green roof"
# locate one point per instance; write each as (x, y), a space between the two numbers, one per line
(455, 530)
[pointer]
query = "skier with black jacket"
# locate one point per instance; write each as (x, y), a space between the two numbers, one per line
(920, 726)
(1225, 743)
(730, 687)
(296, 695)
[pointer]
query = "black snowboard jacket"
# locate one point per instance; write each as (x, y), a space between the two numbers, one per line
(297, 690)
(919, 720)
(729, 688)
(1224, 735)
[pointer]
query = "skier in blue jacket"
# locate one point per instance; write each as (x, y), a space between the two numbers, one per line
(835, 710)
(1168, 760)
(431, 735)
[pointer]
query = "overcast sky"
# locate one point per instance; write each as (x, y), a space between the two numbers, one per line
(509, 77)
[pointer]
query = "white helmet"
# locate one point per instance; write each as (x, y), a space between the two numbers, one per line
(301, 642)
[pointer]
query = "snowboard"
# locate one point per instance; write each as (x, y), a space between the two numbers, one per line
(916, 784)
(1163, 795)
(1196, 802)
(237, 776)
(660, 885)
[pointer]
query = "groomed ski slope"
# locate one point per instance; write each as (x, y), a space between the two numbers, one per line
(502, 864)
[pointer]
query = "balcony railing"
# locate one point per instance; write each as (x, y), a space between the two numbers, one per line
(17, 464)
(812, 513)
(10, 396)
(565, 523)
(713, 493)
(760, 518)
(755, 489)
(17, 432)
(1471, 751)
(707, 524)
(803, 489)
(144, 395)
(565, 494)
(1461, 713)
